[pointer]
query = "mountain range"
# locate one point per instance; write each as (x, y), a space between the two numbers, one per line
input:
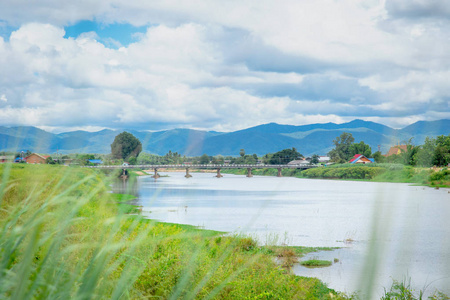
(268, 138)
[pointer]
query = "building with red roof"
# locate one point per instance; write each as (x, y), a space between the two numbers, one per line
(35, 158)
(397, 150)
(361, 159)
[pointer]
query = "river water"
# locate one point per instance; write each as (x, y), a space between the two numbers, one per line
(385, 230)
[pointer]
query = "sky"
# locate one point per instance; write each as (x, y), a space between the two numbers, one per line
(222, 65)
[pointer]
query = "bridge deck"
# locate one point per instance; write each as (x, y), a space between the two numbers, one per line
(183, 166)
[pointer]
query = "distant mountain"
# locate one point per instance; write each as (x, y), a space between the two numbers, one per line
(431, 128)
(308, 139)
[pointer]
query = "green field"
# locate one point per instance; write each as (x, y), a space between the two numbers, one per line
(63, 235)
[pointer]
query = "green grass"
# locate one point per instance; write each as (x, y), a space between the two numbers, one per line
(316, 263)
(402, 290)
(374, 172)
(64, 235)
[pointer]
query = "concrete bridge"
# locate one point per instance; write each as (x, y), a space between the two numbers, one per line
(203, 167)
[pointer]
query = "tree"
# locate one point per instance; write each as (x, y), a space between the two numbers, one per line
(409, 156)
(218, 160)
(242, 152)
(204, 159)
(314, 159)
(285, 156)
(360, 148)
(379, 158)
(49, 160)
(426, 152)
(125, 145)
(341, 152)
(442, 152)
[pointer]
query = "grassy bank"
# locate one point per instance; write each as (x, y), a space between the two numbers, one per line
(373, 172)
(63, 235)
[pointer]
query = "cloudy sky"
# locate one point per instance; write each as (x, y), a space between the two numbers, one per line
(222, 65)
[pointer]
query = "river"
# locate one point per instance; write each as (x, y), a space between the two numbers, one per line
(385, 230)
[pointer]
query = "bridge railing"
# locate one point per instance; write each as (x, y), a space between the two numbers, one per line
(199, 166)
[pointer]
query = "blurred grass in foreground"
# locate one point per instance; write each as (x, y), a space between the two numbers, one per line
(64, 236)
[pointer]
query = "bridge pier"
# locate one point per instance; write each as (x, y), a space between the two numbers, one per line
(218, 173)
(156, 176)
(279, 173)
(187, 173)
(249, 172)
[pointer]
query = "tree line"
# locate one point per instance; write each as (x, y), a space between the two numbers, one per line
(434, 152)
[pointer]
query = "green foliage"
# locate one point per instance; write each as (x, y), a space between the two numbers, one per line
(360, 148)
(125, 145)
(316, 263)
(63, 236)
(341, 152)
(440, 175)
(152, 159)
(284, 156)
(440, 178)
(350, 172)
(245, 159)
(49, 160)
(409, 157)
(403, 291)
(425, 154)
(314, 159)
(204, 159)
(132, 160)
(218, 160)
(442, 152)
(379, 158)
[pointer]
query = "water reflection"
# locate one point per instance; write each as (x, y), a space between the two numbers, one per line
(126, 186)
(392, 230)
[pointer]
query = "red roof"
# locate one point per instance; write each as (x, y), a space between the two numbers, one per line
(42, 156)
(397, 150)
(356, 156)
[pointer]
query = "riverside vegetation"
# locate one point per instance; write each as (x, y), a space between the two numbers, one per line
(380, 172)
(65, 236)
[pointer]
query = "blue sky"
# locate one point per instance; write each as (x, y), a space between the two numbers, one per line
(222, 65)
(113, 35)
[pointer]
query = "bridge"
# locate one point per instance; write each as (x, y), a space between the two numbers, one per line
(203, 167)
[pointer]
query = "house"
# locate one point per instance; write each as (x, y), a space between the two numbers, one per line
(301, 162)
(396, 150)
(35, 158)
(324, 159)
(361, 159)
(4, 159)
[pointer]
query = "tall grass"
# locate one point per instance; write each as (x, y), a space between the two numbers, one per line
(63, 236)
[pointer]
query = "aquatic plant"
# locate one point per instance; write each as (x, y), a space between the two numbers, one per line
(316, 263)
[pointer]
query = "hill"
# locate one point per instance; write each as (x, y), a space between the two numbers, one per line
(308, 139)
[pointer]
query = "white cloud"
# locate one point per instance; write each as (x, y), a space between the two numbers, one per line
(200, 65)
(3, 98)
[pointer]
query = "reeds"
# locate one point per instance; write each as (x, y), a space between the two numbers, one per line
(63, 236)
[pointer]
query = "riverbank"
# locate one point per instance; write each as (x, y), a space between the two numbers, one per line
(317, 213)
(61, 225)
(376, 173)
